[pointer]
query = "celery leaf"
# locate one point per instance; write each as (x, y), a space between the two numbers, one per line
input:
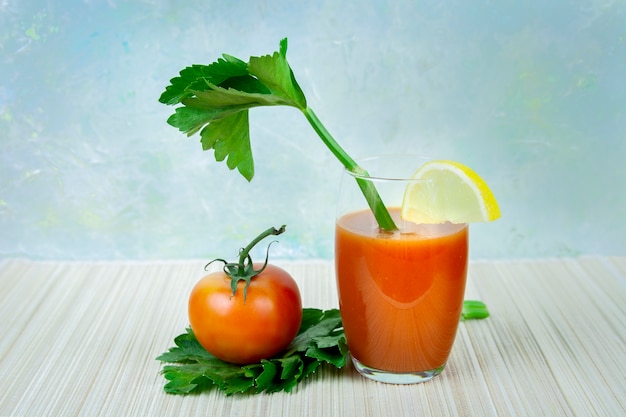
(216, 99)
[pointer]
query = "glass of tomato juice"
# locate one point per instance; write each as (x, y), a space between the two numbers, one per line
(400, 292)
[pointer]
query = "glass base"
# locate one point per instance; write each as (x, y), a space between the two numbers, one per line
(396, 377)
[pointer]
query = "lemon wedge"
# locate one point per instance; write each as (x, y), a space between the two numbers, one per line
(450, 191)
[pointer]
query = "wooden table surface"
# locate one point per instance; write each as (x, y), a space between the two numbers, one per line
(81, 338)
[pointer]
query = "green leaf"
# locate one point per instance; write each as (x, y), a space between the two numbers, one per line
(310, 317)
(328, 321)
(331, 348)
(192, 369)
(238, 385)
(185, 378)
(187, 349)
(189, 120)
(268, 374)
(292, 367)
(230, 100)
(216, 99)
(235, 145)
(198, 78)
(274, 71)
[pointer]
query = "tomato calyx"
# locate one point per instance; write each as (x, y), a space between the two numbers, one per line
(243, 270)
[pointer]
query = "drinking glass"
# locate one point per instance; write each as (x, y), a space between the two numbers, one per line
(400, 292)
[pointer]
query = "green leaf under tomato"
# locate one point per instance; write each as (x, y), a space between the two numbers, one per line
(320, 340)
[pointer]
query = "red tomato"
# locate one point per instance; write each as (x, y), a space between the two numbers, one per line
(240, 332)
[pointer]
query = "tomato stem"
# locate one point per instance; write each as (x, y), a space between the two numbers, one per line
(244, 254)
(244, 269)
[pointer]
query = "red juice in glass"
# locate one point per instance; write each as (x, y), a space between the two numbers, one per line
(400, 294)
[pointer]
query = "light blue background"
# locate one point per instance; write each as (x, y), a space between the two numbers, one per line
(531, 94)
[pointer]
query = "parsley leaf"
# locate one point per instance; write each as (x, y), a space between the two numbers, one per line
(192, 369)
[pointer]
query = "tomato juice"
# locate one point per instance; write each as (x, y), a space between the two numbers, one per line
(400, 293)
